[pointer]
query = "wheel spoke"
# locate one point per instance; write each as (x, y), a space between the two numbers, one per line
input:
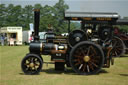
(93, 60)
(116, 53)
(84, 67)
(93, 50)
(35, 59)
(88, 50)
(88, 68)
(37, 63)
(32, 60)
(78, 56)
(33, 68)
(77, 63)
(119, 49)
(90, 65)
(82, 51)
(114, 44)
(96, 57)
(75, 60)
(27, 69)
(92, 55)
(80, 66)
(94, 64)
(26, 64)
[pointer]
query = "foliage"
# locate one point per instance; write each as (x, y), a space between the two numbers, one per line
(21, 16)
(2, 15)
(15, 15)
(27, 16)
(124, 28)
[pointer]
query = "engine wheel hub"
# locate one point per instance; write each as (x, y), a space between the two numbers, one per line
(77, 39)
(31, 65)
(86, 58)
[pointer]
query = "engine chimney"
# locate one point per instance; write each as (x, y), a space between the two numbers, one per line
(36, 24)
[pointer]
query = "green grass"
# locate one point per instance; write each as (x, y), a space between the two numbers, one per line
(11, 73)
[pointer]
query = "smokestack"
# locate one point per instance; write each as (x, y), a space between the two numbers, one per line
(36, 24)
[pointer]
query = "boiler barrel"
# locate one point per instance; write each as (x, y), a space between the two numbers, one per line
(47, 48)
(35, 47)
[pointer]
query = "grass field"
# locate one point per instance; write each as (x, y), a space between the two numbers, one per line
(11, 74)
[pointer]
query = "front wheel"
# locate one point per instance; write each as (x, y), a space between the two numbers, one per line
(86, 58)
(31, 64)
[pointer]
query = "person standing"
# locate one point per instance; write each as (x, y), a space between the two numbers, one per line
(11, 42)
(50, 28)
(31, 38)
(2, 40)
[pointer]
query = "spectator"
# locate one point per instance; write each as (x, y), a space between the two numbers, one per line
(116, 30)
(11, 42)
(31, 38)
(2, 40)
(50, 28)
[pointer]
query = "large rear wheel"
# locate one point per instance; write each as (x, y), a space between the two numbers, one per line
(86, 58)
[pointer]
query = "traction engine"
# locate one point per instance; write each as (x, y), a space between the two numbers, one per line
(86, 50)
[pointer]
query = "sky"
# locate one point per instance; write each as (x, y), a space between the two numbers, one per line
(119, 6)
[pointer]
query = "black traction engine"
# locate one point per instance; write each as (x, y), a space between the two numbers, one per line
(86, 50)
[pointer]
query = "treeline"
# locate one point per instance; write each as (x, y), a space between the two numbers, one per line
(16, 15)
(124, 28)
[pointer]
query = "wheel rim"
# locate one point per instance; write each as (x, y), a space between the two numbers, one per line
(87, 59)
(31, 65)
(118, 47)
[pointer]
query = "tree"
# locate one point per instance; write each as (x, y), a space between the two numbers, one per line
(27, 16)
(2, 15)
(46, 18)
(12, 15)
(59, 9)
(17, 16)
(9, 15)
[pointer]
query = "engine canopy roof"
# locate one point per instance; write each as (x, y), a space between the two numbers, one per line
(96, 17)
(91, 16)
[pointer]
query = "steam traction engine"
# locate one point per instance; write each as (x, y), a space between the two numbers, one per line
(86, 50)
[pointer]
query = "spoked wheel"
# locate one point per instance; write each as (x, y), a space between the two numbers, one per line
(31, 64)
(86, 58)
(118, 47)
